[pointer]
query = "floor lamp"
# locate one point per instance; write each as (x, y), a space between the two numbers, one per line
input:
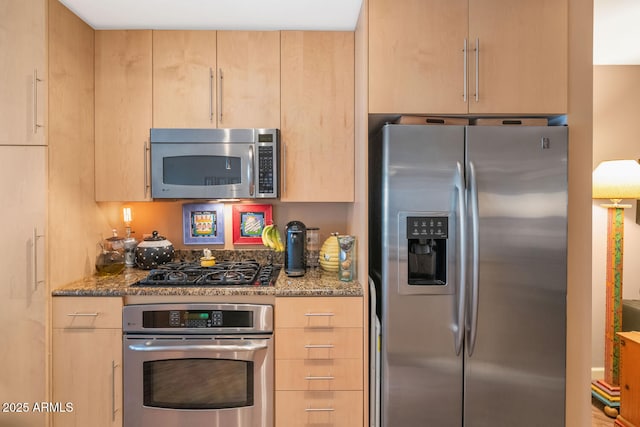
(614, 180)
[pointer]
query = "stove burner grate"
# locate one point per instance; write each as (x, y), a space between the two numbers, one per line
(241, 273)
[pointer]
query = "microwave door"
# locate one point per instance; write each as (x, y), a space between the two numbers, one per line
(218, 171)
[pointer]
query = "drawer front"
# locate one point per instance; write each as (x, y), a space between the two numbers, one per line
(325, 375)
(327, 343)
(318, 312)
(318, 408)
(87, 312)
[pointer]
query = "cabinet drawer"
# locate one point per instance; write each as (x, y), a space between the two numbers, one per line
(305, 343)
(318, 312)
(315, 408)
(325, 375)
(87, 312)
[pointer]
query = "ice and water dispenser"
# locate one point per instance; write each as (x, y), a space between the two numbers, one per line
(427, 249)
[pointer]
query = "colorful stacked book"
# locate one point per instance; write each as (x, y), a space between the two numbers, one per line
(605, 393)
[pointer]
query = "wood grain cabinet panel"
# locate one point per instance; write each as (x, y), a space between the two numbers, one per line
(209, 79)
(123, 99)
(319, 361)
(630, 377)
(317, 116)
(468, 57)
(87, 361)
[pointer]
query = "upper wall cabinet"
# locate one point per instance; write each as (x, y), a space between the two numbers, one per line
(216, 79)
(23, 86)
(317, 116)
(123, 114)
(468, 56)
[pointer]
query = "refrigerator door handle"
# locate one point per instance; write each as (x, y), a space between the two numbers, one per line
(462, 251)
(472, 319)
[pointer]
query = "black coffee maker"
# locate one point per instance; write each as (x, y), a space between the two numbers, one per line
(296, 238)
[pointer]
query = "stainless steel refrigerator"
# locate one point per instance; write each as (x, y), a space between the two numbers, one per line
(468, 237)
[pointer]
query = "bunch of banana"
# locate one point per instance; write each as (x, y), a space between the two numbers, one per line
(271, 238)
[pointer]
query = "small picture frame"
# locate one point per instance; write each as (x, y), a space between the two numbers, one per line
(203, 223)
(248, 223)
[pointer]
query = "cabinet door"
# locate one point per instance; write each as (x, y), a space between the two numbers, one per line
(184, 79)
(522, 57)
(248, 79)
(23, 185)
(317, 116)
(87, 372)
(122, 114)
(23, 73)
(416, 56)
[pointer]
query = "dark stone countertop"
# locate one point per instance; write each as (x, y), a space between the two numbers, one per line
(313, 283)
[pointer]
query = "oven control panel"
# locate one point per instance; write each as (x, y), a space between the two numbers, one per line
(161, 319)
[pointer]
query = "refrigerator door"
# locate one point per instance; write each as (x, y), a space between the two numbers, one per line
(515, 364)
(421, 381)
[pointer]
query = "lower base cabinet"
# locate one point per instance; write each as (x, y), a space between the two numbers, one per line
(319, 362)
(87, 361)
(319, 408)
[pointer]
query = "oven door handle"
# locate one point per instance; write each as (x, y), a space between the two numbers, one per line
(230, 347)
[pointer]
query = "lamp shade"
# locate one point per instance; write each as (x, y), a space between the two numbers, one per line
(617, 179)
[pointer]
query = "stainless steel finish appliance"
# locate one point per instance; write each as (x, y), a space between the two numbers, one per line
(214, 163)
(468, 234)
(198, 365)
(296, 239)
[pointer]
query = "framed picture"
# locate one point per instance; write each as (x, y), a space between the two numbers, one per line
(248, 223)
(203, 224)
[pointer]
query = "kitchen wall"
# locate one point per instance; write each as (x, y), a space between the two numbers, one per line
(166, 218)
(616, 91)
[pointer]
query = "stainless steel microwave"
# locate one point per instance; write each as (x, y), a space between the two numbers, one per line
(215, 163)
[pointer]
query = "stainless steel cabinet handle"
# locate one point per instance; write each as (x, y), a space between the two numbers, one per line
(477, 55)
(320, 378)
(113, 390)
(465, 82)
(472, 320)
(319, 314)
(250, 172)
(319, 410)
(34, 257)
(36, 80)
(211, 77)
(95, 314)
(220, 79)
(314, 346)
(284, 168)
(146, 152)
(230, 347)
(461, 213)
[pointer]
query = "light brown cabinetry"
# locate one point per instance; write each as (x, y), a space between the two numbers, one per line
(630, 378)
(468, 57)
(223, 79)
(87, 360)
(319, 361)
(317, 116)
(23, 83)
(123, 114)
(23, 185)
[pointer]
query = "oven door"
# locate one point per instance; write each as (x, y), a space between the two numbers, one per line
(198, 381)
(202, 170)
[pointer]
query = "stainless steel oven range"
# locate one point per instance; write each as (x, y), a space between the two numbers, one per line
(198, 365)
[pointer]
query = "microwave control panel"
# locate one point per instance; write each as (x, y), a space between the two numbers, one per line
(266, 169)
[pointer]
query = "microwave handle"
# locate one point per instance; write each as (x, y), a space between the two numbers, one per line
(251, 172)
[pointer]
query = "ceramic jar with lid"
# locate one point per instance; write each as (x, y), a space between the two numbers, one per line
(153, 251)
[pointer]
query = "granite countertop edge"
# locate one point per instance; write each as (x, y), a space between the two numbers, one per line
(314, 283)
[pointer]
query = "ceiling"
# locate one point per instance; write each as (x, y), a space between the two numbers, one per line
(615, 22)
(329, 15)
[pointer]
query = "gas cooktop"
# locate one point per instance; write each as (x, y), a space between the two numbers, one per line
(227, 273)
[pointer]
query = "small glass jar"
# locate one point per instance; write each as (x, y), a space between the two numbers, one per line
(313, 247)
(347, 264)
